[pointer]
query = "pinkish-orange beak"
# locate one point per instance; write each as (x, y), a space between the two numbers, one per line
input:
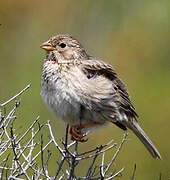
(47, 46)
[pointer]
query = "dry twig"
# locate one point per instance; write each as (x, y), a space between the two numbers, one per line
(19, 154)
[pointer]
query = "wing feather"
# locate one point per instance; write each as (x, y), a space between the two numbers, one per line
(94, 68)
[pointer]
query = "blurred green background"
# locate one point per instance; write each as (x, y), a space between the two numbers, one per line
(134, 36)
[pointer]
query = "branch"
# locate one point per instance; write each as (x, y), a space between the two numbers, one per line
(30, 158)
(14, 97)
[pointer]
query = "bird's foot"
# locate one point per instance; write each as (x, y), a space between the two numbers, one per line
(77, 135)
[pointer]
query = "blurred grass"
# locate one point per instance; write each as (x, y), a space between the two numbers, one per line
(131, 35)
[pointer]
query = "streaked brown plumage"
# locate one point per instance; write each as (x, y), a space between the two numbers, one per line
(86, 92)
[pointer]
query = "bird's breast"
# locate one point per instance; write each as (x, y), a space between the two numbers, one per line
(58, 93)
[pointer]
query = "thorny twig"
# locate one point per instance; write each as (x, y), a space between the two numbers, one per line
(25, 150)
(116, 154)
(14, 97)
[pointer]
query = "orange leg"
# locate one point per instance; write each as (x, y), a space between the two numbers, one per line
(76, 134)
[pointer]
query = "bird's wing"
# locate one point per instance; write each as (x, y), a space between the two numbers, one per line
(105, 80)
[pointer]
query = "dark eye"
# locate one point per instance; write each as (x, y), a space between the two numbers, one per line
(62, 45)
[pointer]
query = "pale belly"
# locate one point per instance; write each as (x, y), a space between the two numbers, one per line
(62, 101)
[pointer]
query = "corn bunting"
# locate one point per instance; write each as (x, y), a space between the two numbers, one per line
(86, 92)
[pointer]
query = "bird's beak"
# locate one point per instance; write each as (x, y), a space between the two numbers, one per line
(47, 46)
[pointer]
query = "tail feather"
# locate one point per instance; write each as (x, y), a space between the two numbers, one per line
(144, 139)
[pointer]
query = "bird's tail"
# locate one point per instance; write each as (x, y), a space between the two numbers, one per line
(134, 126)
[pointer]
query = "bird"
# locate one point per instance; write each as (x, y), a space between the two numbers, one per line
(86, 92)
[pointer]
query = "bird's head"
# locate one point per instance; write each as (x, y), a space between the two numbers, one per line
(64, 47)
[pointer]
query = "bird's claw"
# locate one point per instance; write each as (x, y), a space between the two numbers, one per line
(76, 134)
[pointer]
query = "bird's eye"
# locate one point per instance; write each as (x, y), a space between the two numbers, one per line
(62, 45)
